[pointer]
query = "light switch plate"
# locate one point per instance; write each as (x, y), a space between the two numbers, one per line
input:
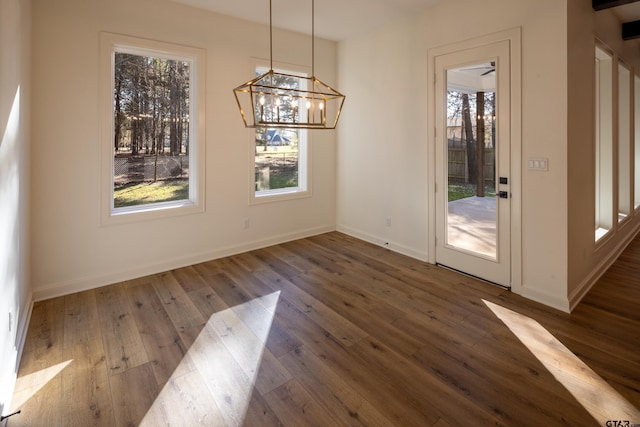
(538, 164)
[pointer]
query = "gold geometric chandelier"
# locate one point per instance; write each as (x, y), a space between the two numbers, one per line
(271, 100)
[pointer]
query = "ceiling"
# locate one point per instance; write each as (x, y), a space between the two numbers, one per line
(340, 19)
(628, 12)
(334, 19)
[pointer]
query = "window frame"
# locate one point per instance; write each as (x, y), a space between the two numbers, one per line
(110, 44)
(604, 128)
(635, 104)
(624, 89)
(303, 189)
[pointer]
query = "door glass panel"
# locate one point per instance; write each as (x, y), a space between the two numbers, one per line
(471, 159)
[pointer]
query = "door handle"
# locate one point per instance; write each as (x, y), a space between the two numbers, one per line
(503, 194)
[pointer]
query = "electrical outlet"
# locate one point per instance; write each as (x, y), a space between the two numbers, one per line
(246, 223)
(388, 222)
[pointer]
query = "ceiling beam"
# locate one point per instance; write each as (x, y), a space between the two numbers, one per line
(631, 30)
(606, 4)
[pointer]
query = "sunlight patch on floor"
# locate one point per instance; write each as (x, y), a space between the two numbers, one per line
(28, 385)
(221, 369)
(601, 400)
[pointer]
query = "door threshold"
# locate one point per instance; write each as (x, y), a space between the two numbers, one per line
(508, 288)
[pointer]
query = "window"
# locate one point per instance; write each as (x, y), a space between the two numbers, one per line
(153, 158)
(279, 157)
(603, 142)
(624, 141)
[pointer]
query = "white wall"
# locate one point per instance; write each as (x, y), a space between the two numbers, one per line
(71, 251)
(382, 138)
(384, 143)
(15, 294)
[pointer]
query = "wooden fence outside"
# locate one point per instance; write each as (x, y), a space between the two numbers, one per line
(459, 171)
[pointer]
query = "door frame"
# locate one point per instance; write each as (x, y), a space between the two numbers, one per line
(513, 36)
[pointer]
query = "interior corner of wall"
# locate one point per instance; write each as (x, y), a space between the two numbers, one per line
(421, 255)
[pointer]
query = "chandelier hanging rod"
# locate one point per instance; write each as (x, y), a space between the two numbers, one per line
(271, 100)
(271, 34)
(313, 36)
(313, 39)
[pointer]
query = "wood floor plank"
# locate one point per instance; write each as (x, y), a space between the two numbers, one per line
(225, 380)
(316, 310)
(133, 391)
(621, 373)
(166, 351)
(354, 290)
(85, 381)
(249, 351)
(485, 386)
(225, 287)
(46, 335)
(275, 336)
(207, 301)
(292, 260)
(356, 312)
(190, 279)
(277, 263)
(184, 401)
(249, 286)
(345, 405)
(385, 396)
(586, 324)
(41, 405)
(38, 391)
(122, 342)
(294, 404)
(82, 331)
(500, 361)
(434, 401)
(345, 259)
(87, 396)
(259, 413)
(184, 315)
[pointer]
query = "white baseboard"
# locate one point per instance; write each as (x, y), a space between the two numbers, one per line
(592, 278)
(21, 336)
(54, 290)
(379, 241)
(545, 298)
(23, 327)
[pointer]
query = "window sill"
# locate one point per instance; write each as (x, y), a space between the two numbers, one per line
(600, 233)
(269, 196)
(136, 214)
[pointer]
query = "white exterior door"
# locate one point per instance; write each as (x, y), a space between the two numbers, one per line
(473, 183)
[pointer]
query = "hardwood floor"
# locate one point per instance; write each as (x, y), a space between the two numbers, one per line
(330, 331)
